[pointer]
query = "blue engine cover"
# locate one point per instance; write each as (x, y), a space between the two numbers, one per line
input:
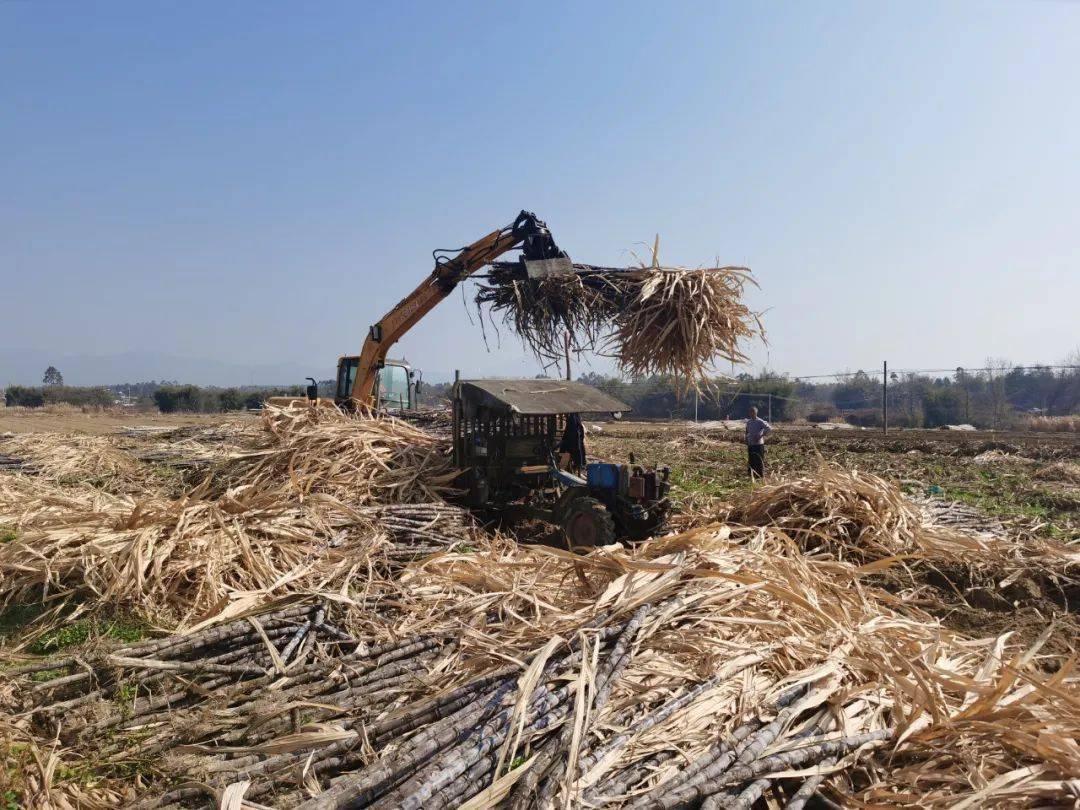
(600, 475)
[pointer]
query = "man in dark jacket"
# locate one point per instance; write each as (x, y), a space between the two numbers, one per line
(756, 431)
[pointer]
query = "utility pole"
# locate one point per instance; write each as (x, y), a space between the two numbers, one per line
(567, 346)
(884, 396)
(770, 407)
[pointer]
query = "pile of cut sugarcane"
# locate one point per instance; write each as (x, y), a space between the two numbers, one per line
(856, 515)
(179, 560)
(652, 319)
(706, 669)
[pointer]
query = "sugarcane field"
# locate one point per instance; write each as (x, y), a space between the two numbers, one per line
(566, 406)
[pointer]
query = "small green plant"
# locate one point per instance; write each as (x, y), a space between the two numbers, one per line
(47, 674)
(60, 638)
(7, 534)
(125, 697)
(127, 629)
(122, 628)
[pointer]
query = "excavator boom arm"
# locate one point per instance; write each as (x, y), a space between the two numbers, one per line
(526, 232)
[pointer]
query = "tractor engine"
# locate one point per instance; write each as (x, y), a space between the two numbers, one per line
(635, 496)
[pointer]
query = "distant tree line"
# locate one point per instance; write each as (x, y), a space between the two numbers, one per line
(997, 396)
(659, 397)
(193, 399)
(37, 397)
(167, 397)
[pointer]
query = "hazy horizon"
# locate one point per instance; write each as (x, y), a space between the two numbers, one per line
(247, 187)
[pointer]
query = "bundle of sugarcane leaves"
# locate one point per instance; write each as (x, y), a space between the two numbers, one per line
(653, 319)
(705, 669)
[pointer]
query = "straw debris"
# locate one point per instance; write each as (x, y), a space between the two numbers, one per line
(308, 502)
(852, 514)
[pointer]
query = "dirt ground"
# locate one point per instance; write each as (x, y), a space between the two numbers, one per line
(69, 419)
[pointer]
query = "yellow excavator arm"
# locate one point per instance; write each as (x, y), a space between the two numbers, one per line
(526, 232)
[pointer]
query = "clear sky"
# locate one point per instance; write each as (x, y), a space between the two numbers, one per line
(256, 182)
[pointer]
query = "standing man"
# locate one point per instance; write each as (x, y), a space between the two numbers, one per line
(756, 431)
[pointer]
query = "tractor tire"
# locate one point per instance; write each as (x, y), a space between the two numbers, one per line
(565, 500)
(587, 523)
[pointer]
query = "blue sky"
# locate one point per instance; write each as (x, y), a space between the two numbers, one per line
(255, 182)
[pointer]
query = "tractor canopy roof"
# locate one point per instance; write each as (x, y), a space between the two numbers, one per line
(538, 397)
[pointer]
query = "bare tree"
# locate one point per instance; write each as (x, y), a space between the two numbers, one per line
(997, 368)
(963, 380)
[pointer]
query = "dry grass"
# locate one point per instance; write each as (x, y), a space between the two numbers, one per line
(178, 560)
(63, 409)
(847, 513)
(41, 774)
(1054, 424)
(1066, 471)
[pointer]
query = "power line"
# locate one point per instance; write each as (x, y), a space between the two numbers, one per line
(953, 370)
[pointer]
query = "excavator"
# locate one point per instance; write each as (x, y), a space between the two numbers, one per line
(370, 381)
(519, 444)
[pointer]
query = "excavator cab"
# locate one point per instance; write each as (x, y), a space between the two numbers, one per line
(397, 385)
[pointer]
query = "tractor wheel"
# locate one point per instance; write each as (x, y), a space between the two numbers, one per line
(587, 523)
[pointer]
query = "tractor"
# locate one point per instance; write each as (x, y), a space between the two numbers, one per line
(520, 449)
